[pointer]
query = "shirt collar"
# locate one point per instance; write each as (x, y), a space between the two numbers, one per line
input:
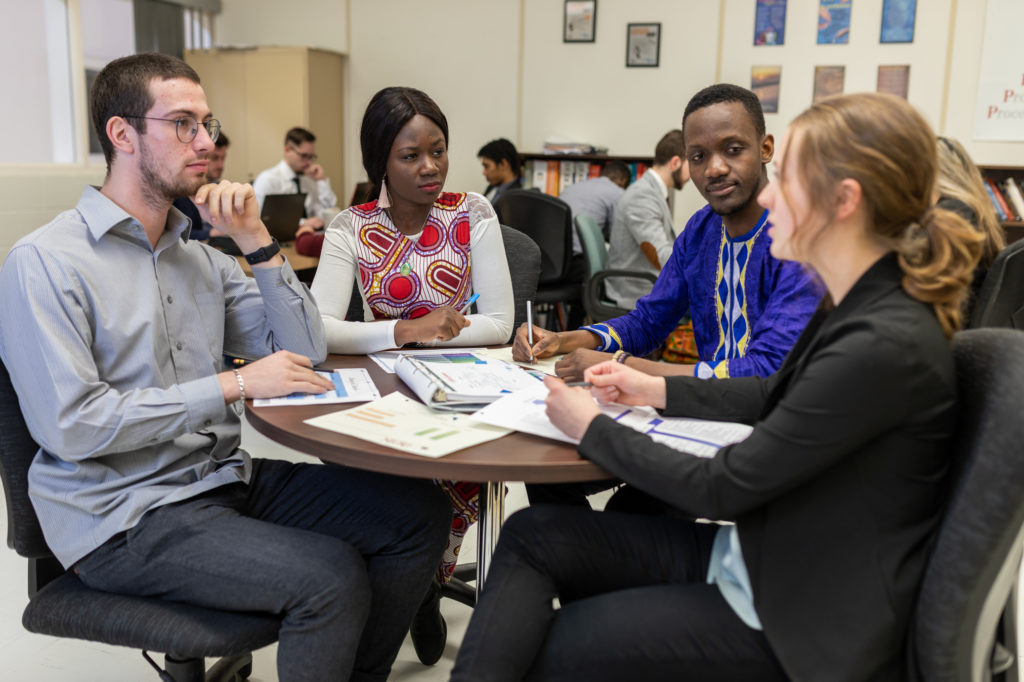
(659, 182)
(102, 215)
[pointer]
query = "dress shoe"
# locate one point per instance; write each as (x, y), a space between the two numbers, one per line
(429, 631)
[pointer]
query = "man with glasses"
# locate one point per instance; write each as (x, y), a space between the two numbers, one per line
(298, 171)
(113, 330)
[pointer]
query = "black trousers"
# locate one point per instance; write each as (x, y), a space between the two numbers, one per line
(634, 604)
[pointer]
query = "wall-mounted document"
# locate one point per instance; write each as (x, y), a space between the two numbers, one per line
(463, 386)
(405, 424)
(524, 411)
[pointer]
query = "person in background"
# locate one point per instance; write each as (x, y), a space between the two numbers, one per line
(201, 229)
(961, 189)
(218, 157)
(139, 484)
(298, 171)
(414, 255)
(641, 232)
(839, 509)
(501, 169)
(597, 197)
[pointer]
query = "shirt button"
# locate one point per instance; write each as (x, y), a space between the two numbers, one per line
(207, 422)
(179, 345)
(170, 299)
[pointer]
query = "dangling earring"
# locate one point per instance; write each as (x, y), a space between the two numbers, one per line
(384, 201)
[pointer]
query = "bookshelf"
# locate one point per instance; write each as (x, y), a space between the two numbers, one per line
(552, 172)
(999, 174)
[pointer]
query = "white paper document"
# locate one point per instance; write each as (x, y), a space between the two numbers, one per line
(386, 359)
(350, 386)
(406, 424)
(459, 383)
(546, 365)
(524, 411)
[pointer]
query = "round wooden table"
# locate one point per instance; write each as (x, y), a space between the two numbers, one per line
(515, 457)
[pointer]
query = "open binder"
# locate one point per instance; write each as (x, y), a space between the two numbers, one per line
(461, 386)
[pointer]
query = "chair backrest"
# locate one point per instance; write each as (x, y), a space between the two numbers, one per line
(17, 449)
(547, 220)
(1001, 299)
(974, 569)
(594, 252)
(523, 257)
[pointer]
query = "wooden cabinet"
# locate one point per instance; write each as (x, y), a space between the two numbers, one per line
(259, 93)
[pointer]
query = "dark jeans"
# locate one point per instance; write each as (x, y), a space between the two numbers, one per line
(634, 604)
(344, 555)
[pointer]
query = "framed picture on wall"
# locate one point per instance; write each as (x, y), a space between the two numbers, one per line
(643, 44)
(898, 21)
(828, 81)
(764, 82)
(894, 79)
(770, 22)
(579, 22)
(834, 22)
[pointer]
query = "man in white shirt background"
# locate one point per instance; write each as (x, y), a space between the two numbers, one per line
(298, 171)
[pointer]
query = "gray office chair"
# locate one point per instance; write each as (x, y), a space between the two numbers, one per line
(62, 606)
(523, 256)
(965, 625)
(1001, 299)
(595, 255)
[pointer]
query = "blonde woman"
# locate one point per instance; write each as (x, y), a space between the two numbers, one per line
(834, 496)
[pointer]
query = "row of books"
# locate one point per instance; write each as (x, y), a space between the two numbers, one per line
(551, 176)
(1007, 197)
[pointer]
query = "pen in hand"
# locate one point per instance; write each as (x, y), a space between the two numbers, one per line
(471, 301)
(529, 328)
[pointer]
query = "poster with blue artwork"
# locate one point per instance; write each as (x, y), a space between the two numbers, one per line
(898, 21)
(770, 22)
(834, 22)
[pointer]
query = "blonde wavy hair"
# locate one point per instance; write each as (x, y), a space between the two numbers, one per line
(960, 179)
(885, 145)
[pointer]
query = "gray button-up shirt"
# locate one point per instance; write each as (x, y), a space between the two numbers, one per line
(114, 346)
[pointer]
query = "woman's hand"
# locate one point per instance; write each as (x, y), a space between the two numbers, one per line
(441, 324)
(613, 382)
(570, 409)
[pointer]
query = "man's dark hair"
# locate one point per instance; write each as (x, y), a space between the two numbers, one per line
(297, 136)
(122, 89)
(671, 144)
(727, 92)
(501, 150)
(616, 171)
(388, 111)
(222, 141)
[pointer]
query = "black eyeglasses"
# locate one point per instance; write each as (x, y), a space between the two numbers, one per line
(303, 156)
(187, 127)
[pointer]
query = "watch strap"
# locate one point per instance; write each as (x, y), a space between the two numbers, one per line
(263, 254)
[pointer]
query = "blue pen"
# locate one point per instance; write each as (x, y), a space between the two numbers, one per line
(471, 301)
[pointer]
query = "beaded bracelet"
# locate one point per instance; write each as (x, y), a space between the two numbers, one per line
(241, 386)
(620, 356)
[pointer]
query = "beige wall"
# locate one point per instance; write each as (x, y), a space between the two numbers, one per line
(499, 68)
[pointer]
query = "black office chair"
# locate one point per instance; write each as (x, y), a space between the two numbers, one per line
(523, 256)
(1001, 299)
(548, 221)
(965, 625)
(595, 255)
(62, 606)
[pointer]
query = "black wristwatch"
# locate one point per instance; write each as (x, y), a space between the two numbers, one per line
(263, 254)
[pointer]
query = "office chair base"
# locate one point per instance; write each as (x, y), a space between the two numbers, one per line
(227, 669)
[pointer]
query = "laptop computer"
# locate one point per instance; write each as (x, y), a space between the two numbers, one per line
(281, 214)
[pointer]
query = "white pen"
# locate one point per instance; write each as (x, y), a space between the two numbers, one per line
(529, 328)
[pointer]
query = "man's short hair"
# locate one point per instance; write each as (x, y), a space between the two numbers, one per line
(671, 144)
(501, 149)
(727, 92)
(616, 171)
(298, 136)
(122, 89)
(222, 141)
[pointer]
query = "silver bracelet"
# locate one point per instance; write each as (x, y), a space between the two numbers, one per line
(241, 386)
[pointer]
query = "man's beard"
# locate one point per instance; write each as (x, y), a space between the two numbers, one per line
(160, 191)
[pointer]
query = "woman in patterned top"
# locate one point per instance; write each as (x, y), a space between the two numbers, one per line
(415, 254)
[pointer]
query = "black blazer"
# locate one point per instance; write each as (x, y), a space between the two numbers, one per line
(839, 489)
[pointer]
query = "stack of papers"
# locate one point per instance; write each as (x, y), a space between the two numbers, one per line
(350, 386)
(464, 384)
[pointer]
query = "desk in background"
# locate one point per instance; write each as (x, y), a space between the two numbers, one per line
(515, 457)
